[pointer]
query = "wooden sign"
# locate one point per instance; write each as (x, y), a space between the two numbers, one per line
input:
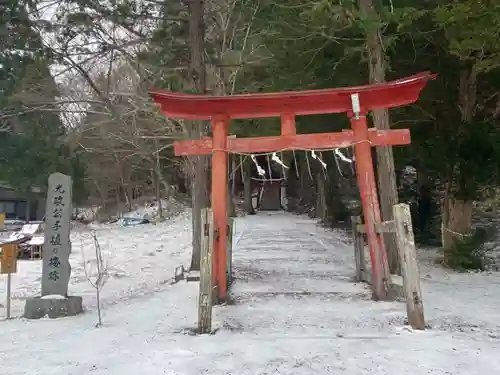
(8, 261)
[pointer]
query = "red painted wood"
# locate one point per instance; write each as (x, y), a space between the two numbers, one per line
(219, 203)
(288, 126)
(383, 95)
(316, 141)
(371, 209)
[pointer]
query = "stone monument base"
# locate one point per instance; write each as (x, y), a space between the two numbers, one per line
(53, 307)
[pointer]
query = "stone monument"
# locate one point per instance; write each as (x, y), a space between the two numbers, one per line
(54, 301)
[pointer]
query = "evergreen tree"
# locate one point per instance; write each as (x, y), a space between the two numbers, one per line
(33, 141)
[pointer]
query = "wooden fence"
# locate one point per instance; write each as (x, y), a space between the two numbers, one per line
(402, 227)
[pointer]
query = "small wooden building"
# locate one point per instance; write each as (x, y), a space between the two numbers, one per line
(271, 196)
(16, 207)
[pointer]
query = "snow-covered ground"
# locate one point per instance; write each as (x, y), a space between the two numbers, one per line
(296, 311)
(139, 260)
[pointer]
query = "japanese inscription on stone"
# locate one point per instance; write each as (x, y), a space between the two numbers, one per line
(57, 246)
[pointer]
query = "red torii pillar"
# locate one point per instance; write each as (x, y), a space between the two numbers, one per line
(355, 101)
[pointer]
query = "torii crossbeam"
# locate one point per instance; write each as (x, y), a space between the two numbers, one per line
(355, 101)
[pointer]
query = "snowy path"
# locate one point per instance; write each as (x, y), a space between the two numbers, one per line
(296, 311)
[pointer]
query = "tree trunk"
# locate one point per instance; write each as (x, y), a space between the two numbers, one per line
(197, 72)
(200, 200)
(158, 197)
(456, 220)
(118, 200)
(129, 196)
(235, 170)
(27, 209)
(157, 178)
(306, 192)
(386, 174)
(321, 206)
(457, 213)
(231, 188)
(425, 211)
(127, 189)
(247, 187)
(337, 211)
(230, 204)
(101, 195)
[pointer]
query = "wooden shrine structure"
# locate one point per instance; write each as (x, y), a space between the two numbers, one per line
(355, 101)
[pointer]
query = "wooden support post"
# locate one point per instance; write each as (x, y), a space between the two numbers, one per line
(380, 228)
(359, 248)
(229, 268)
(288, 126)
(371, 210)
(219, 203)
(8, 296)
(409, 266)
(206, 267)
(8, 266)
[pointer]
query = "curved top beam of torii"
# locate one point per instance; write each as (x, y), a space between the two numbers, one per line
(203, 107)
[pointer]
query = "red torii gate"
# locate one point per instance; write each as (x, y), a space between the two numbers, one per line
(355, 101)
